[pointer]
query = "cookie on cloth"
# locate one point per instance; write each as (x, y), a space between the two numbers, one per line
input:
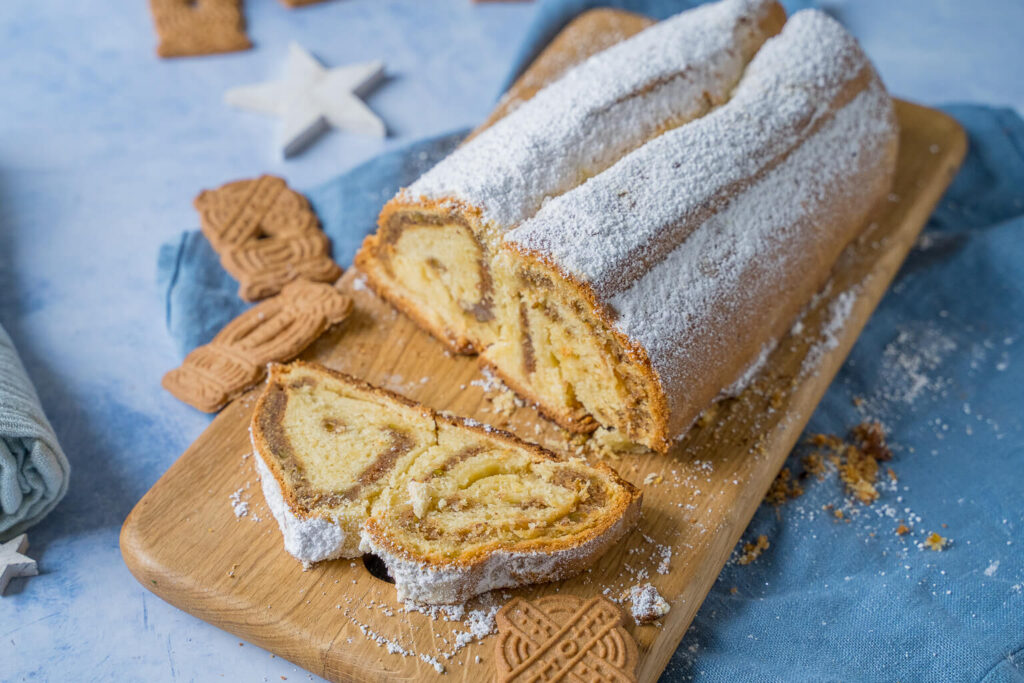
(277, 329)
(266, 234)
(199, 27)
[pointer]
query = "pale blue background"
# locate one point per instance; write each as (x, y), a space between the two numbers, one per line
(102, 148)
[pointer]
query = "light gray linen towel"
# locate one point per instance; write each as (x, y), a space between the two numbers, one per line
(33, 469)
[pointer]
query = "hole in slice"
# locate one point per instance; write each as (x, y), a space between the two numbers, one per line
(377, 568)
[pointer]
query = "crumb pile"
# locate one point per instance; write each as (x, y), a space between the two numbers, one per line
(648, 605)
(752, 551)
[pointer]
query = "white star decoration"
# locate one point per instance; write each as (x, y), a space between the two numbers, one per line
(310, 98)
(12, 563)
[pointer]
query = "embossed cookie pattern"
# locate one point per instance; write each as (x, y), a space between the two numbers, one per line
(563, 638)
(277, 329)
(266, 234)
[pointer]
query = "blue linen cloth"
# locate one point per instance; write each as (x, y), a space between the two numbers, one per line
(33, 469)
(940, 363)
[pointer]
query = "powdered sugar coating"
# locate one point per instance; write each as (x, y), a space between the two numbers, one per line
(648, 605)
(752, 371)
(307, 539)
(600, 110)
(788, 87)
(702, 228)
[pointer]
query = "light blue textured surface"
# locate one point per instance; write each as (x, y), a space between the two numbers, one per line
(102, 148)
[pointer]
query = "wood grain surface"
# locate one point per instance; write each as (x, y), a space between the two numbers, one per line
(184, 542)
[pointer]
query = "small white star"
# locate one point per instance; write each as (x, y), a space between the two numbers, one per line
(12, 563)
(310, 98)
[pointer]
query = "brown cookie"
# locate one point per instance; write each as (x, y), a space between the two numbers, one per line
(266, 234)
(277, 329)
(263, 266)
(561, 637)
(199, 27)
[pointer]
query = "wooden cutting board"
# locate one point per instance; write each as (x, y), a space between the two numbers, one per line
(184, 542)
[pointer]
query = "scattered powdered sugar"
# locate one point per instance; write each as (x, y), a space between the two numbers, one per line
(390, 645)
(600, 110)
(663, 552)
(686, 268)
(438, 666)
(992, 568)
(839, 310)
(648, 605)
(481, 624)
(909, 370)
(908, 361)
(240, 507)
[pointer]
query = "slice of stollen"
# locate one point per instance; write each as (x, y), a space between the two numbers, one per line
(452, 507)
(483, 510)
(326, 445)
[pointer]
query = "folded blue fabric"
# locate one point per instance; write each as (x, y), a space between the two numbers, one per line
(940, 363)
(33, 469)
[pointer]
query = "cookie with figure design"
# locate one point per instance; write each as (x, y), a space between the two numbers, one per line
(266, 234)
(277, 329)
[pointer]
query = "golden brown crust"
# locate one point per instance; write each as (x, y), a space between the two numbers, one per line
(629, 508)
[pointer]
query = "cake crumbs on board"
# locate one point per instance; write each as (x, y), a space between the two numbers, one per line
(647, 604)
